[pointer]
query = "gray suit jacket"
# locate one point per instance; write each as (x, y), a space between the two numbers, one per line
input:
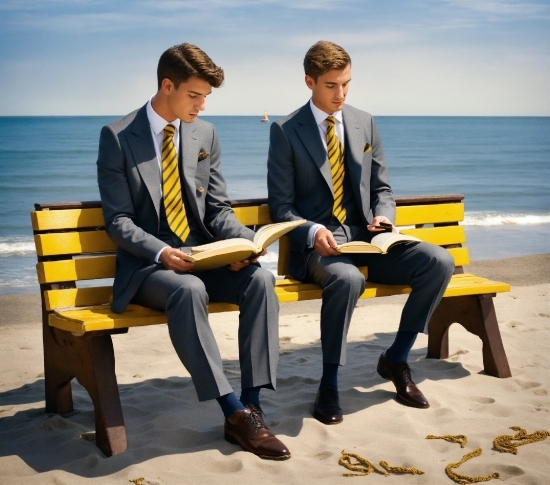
(299, 182)
(130, 187)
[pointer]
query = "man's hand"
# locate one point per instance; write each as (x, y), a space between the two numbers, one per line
(172, 258)
(241, 264)
(376, 222)
(325, 243)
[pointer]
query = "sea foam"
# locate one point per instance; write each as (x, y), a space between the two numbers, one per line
(498, 219)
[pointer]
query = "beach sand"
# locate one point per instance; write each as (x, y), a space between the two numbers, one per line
(174, 439)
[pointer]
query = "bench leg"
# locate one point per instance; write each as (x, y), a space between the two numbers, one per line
(98, 377)
(91, 360)
(477, 315)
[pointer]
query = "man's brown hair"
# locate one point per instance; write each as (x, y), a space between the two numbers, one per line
(180, 62)
(324, 56)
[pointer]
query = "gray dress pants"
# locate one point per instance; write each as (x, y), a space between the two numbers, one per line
(425, 267)
(184, 298)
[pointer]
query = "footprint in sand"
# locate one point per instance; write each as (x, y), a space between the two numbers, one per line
(483, 400)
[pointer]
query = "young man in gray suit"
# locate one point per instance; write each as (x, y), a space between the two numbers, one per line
(326, 165)
(163, 192)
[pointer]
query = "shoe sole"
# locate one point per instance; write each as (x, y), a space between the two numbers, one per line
(400, 400)
(328, 423)
(233, 441)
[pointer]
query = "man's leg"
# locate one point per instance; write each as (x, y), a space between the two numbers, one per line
(184, 299)
(342, 285)
(427, 268)
(252, 288)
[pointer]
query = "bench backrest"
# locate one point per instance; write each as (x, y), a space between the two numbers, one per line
(72, 244)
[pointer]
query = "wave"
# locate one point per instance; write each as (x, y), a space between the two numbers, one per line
(501, 219)
(16, 246)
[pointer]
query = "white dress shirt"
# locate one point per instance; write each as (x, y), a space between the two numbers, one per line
(157, 124)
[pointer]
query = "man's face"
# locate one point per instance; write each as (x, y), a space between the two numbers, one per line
(188, 99)
(330, 90)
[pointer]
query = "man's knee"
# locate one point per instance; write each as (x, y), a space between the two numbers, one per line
(348, 280)
(188, 290)
(261, 278)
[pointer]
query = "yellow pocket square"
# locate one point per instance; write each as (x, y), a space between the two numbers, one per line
(203, 155)
(367, 148)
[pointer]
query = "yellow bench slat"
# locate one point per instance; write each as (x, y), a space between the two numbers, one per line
(251, 216)
(81, 320)
(73, 243)
(101, 317)
(441, 236)
(460, 256)
(85, 268)
(50, 220)
(429, 214)
(77, 297)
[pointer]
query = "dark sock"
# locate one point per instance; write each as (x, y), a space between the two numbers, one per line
(402, 345)
(229, 404)
(330, 376)
(251, 396)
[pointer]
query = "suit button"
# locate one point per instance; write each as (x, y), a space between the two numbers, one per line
(200, 190)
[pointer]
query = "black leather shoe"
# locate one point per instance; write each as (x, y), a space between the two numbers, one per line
(400, 374)
(327, 406)
(247, 429)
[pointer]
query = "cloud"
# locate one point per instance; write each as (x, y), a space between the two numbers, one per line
(505, 8)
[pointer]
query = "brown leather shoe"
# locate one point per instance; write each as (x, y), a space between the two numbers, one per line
(247, 429)
(327, 406)
(400, 374)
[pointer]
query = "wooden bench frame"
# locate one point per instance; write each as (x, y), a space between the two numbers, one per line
(72, 246)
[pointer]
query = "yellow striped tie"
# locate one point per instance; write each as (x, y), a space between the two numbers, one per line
(171, 186)
(336, 160)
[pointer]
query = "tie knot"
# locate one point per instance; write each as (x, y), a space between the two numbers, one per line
(169, 130)
(331, 120)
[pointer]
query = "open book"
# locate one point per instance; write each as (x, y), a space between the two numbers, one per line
(381, 243)
(227, 251)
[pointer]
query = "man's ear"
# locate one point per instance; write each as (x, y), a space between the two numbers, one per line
(310, 82)
(167, 86)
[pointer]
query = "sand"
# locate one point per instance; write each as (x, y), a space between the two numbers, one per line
(174, 439)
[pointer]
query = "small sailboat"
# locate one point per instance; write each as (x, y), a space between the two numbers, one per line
(265, 119)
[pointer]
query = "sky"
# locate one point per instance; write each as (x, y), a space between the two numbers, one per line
(425, 57)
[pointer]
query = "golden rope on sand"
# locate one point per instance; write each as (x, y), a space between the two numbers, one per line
(465, 479)
(137, 481)
(400, 469)
(364, 467)
(503, 443)
(453, 438)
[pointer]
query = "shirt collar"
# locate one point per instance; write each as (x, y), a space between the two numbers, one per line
(320, 116)
(157, 122)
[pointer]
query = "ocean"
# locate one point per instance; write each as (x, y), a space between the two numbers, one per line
(500, 164)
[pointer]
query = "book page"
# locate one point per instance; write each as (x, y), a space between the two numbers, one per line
(224, 243)
(386, 240)
(357, 247)
(269, 233)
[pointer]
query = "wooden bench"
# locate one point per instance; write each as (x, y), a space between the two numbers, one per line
(73, 247)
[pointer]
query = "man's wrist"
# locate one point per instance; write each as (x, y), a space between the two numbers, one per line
(311, 234)
(157, 257)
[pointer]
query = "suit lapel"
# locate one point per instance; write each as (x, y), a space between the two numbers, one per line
(145, 157)
(308, 132)
(189, 149)
(354, 152)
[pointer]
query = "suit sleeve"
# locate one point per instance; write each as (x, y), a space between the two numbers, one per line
(219, 216)
(281, 184)
(382, 202)
(117, 201)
